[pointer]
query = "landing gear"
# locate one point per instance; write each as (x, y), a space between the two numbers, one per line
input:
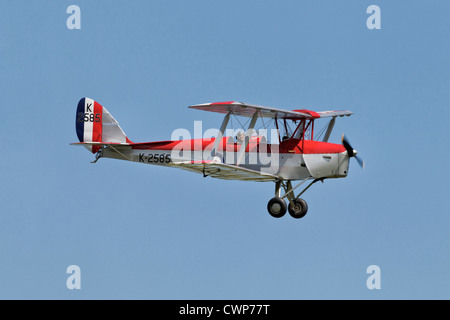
(277, 207)
(297, 207)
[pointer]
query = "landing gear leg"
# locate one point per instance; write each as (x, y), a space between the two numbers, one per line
(298, 207)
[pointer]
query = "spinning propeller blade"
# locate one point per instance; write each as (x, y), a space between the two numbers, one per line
(352, 152)
(360, 161)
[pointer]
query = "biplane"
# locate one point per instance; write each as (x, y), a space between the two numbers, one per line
(295, 150)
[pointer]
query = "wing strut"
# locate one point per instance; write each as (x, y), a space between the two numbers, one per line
(220, 134)
(248, 135)
(329, 129)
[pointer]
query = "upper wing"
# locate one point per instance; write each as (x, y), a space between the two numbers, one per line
(248, 110)
(338, 113)
(225, 171)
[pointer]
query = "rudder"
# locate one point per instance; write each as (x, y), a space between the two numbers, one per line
(95, 124)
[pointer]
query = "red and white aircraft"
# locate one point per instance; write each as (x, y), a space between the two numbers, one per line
(294, 156)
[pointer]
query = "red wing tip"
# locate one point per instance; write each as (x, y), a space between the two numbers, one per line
(313, 114)
(225, 102)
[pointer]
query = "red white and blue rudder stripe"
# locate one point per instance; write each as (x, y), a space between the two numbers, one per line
(95, 124)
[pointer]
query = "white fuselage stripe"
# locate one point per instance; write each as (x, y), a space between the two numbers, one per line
(88, 125)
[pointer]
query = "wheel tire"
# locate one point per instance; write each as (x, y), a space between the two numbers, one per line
(277, 207)
(299, 210)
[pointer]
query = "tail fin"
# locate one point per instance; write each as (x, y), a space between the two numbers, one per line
(95, 124)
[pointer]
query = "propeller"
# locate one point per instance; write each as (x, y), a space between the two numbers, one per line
(352, 152)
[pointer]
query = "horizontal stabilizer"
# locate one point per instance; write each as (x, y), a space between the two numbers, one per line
(100, 144)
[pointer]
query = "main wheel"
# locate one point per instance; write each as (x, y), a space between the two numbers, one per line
(277, 207)
(299, 210)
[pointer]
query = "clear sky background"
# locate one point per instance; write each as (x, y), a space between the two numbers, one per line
(145, 232)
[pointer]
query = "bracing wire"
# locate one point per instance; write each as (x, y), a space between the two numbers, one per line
(322, 131)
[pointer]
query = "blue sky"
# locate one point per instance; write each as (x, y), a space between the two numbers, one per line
(143, 232)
